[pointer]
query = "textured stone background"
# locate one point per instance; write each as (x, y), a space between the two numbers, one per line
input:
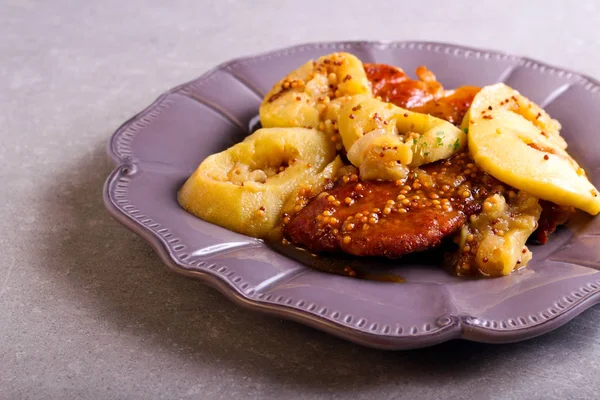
(86, 308)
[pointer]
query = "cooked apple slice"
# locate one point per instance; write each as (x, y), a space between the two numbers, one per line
(311, 186)
(301, 98)
(358, 115)
(513, 150)
(244, 187)
(493, 242)
(381, 155)
(426, 138)
(500, 96)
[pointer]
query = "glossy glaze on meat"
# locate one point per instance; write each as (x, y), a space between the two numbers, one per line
(425, 95)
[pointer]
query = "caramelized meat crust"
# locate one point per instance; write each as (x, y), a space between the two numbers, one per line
(394, 86)
(374, 218)
(393, 235)
(425, 95)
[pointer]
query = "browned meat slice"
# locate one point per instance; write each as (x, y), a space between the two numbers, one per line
(392, 219)
(363, 229)
(425, 95)
(391, 82)
(552, 217)
(394, 86)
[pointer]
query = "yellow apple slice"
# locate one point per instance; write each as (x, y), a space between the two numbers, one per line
(419, 138)
(300, 99)
(380, 155)
(497, 236)
(512, 149)
(245, 187)
(500, 96)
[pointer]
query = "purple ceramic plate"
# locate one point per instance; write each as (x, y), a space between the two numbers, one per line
(159, 148)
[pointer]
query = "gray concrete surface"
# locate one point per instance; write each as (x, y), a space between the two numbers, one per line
(86, 308)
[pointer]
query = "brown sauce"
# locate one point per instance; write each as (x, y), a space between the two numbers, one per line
(365, 268)
(361, 274)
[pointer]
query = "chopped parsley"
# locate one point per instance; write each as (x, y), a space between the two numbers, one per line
(439, 141)
(456, 145)
(440, 133)
(414, 141)
(465, 130)
(426, 154)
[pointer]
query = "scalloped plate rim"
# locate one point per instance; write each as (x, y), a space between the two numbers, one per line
(458, 328)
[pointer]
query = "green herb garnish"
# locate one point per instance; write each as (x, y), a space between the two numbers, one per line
(456, 145)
